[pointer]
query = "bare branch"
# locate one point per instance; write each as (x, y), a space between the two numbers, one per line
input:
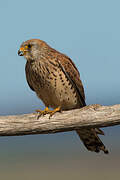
(89, 116)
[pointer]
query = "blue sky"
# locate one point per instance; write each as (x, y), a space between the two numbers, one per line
(89, 33)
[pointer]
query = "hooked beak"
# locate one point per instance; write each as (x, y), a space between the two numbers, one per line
(21, 52)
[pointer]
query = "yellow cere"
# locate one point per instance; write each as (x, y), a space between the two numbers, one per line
(21, 49)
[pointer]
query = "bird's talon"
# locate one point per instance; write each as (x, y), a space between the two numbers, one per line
(58, 109)
(42, 112)
(51, 114)
(47, 111)
(38, 116)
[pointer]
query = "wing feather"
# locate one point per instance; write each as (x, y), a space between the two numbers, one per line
(28, 76)
(71, 72)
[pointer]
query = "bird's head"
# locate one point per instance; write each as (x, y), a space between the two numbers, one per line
(32, 49)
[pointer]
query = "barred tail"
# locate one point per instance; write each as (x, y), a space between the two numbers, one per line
(91, 140)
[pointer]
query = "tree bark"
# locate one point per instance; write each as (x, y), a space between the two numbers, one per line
(86, 117)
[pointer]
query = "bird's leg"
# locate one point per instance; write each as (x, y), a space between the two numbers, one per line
(48, 111)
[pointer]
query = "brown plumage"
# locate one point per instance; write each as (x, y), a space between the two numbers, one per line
(56, 81)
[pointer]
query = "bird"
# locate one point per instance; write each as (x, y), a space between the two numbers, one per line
(56, 81)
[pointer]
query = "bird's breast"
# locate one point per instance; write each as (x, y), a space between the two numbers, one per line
(52, 87)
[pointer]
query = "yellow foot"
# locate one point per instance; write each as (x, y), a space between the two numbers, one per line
(47, 111)
(58, 109)
(43, 112)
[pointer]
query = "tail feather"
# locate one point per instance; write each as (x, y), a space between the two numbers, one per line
(99, 131)
(91, 140)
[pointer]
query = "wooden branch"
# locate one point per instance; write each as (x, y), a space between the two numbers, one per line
(87, 117)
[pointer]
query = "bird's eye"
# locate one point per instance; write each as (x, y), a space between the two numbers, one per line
(29, 45)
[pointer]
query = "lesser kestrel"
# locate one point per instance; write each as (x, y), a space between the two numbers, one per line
(56, 81)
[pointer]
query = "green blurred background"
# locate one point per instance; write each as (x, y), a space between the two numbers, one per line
(88, 32)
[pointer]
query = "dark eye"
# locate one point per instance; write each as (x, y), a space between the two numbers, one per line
(29, 45)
